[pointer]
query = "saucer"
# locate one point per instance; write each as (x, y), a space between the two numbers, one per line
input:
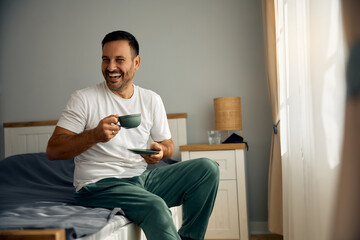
(143, 151)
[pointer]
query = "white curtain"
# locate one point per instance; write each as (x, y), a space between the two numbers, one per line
(311, 65)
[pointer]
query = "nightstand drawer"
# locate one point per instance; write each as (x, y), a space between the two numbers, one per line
(224, 221)
(225, 159)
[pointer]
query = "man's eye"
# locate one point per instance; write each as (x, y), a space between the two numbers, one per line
(105, 60)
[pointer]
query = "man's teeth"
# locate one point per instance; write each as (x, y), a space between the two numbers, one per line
(114, 75)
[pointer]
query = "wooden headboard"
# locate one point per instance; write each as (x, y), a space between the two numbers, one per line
(30, 137)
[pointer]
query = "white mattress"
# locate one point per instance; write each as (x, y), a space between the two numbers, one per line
(118, 228)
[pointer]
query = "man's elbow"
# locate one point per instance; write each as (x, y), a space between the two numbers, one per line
(50, 154)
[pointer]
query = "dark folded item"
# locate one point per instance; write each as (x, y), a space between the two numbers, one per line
(234, 138)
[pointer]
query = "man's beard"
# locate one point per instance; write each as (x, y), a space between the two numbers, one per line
(122, 85)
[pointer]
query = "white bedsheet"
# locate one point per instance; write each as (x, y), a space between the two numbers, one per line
(118, 228)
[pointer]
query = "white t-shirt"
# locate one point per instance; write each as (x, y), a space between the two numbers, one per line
(84, 111)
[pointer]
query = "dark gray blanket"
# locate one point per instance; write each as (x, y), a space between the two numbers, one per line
(38, 193)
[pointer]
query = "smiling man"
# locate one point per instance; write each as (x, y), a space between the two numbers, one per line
(107, 174)
(119, 63)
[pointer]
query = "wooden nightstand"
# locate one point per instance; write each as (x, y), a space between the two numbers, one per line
(229, 219)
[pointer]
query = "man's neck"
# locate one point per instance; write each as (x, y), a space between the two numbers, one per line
(125, 93)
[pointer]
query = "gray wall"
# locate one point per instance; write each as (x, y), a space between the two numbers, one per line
(192, 52)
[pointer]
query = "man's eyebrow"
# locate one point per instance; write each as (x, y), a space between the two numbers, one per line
(117, 57)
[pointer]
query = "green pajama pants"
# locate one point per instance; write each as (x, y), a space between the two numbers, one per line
(146, 199)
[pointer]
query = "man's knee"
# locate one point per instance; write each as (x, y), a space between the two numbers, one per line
(157, 210)
(208, 166)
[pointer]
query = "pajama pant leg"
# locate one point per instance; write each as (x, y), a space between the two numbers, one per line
(193, 184)
(146, 199)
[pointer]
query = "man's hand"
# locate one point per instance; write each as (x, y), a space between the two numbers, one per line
(165, 148)
(107, 128)
(154, 158)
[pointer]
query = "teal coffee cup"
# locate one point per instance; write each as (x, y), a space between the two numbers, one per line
(130, 121)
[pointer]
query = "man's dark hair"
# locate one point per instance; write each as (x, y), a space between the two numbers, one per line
(122, 35)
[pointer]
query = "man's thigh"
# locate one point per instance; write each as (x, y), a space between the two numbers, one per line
(116, 193)
(172, 183)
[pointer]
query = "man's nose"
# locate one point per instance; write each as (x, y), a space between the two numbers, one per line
(112, 66)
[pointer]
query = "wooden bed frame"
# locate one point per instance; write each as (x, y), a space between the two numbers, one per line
(33, 234)
(32, 137)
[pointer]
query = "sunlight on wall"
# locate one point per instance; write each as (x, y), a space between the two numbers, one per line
(331, 96)
(333, 91)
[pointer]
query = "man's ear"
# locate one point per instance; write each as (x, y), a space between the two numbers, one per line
(137, 61)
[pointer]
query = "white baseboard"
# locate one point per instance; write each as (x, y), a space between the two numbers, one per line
(259, 228)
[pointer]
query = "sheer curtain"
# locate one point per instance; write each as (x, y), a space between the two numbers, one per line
(311, 62)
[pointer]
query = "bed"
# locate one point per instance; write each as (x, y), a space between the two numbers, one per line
(36, 195)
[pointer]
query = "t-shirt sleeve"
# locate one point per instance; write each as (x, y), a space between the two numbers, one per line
(73, 117)
(160, 130)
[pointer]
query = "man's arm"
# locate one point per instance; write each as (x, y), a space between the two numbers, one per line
(166, 150)
(64, 144)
